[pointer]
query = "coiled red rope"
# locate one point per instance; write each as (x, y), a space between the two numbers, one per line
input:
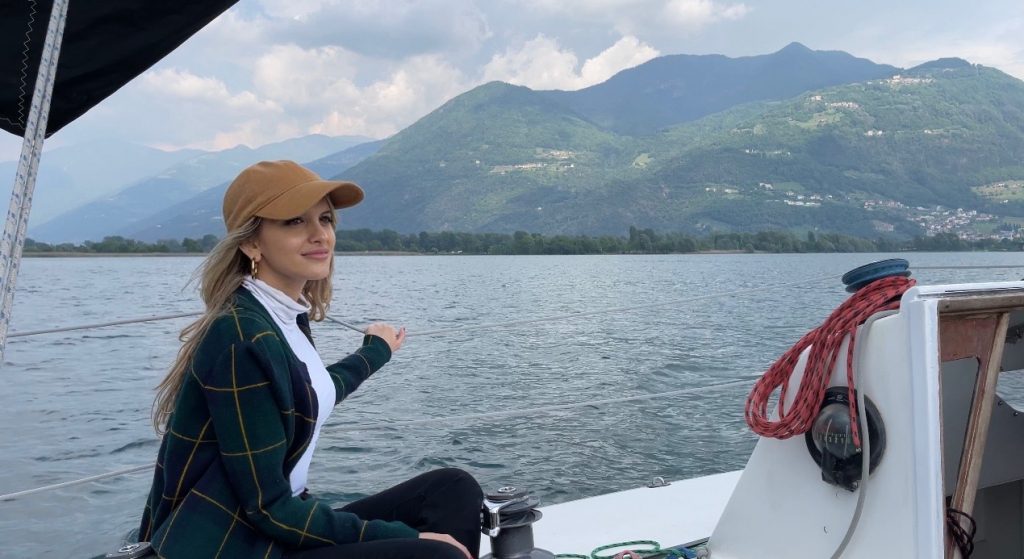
(877, 296)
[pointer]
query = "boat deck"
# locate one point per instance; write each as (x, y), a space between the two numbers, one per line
(675, 514)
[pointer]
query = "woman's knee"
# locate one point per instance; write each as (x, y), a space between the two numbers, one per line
(452, 480)
(463, 483)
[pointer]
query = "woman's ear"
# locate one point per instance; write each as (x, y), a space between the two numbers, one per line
(251, 249)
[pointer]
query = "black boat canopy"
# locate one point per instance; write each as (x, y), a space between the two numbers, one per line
(106, 44)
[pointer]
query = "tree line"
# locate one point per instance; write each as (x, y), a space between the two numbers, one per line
(121, 245)
(637, 241)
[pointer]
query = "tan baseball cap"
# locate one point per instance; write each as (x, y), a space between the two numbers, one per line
(282, 190)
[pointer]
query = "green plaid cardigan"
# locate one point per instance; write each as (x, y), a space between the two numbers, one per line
(243, 418)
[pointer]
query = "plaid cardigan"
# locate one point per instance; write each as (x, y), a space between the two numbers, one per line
(244, 416)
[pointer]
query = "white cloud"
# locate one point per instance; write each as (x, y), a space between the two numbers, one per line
(627, 52)
(384, 107)
(998, 46)
(542, 63)
(293, 9)
(1007, 56)
(302, 77)
(699, 13)
(188, 87)
(589, 6)
(214, 117)
(298, 91)
(252, 132)
(638, 16)
(390, 29)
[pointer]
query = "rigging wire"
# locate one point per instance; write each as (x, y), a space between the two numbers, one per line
(440, 332)
(419, 422)
(443, 331)
(138, 320)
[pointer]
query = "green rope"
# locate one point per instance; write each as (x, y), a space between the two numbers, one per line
(652, 551)
(654, 548)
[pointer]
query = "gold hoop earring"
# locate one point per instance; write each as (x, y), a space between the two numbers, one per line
(253, 268)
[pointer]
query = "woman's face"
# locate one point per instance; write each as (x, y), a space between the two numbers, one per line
(290, 252)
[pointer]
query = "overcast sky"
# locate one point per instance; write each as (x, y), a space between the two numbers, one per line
(269, 70)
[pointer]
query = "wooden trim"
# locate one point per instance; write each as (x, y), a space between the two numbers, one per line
(982, 303)
(981, 336)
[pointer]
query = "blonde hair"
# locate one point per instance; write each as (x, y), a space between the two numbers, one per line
(220, 274)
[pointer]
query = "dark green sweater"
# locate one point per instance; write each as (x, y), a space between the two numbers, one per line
(244, 416)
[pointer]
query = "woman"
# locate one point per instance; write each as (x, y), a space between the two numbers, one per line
(243, 404)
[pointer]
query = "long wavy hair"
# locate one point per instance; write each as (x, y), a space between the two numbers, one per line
(220, 274)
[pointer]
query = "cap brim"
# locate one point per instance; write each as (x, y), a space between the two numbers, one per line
(301, 197)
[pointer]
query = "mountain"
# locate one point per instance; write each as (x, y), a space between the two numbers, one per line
(856, 158)
(331, 165)
(490, 159)
(859, 158)
(201, 214)
(128, 206)
(913, 151)
(669, 90)
(72, 175)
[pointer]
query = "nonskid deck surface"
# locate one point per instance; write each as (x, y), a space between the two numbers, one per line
(682, 512)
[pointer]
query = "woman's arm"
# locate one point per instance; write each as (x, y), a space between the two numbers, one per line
(380, 341)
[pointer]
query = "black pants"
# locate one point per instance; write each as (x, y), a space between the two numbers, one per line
(445, 501)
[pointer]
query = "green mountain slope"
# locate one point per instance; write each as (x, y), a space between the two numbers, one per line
(491, 159)
(856, 158)
(923, 139)
(669, 90)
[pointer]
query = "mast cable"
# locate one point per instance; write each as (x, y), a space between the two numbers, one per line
(418, 422)
(442, 331)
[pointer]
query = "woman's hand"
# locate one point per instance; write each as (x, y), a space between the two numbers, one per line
(447, 539)
(387, 332)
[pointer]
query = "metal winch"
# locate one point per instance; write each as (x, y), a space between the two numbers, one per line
(508, 516)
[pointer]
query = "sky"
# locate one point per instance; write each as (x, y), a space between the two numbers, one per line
(269, 70)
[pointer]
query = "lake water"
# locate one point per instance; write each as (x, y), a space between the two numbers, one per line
(77, 404)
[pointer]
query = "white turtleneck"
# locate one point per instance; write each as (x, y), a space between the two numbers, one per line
(284, 311)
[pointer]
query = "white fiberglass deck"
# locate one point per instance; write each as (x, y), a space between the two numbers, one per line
(684, 511)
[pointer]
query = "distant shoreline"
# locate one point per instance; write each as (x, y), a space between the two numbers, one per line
(171, 254)
(385, 253)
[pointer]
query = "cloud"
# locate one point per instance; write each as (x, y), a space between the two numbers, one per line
(542, 63)
(213, 116)
(296, 91)
(1008, 57)
(301, 78)
(184, 86)
(318, 87)
(640, 16)
(627, 52)
(414, 88)
(292, 9)
(700, 13)
(382, 28)
(997, 46)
